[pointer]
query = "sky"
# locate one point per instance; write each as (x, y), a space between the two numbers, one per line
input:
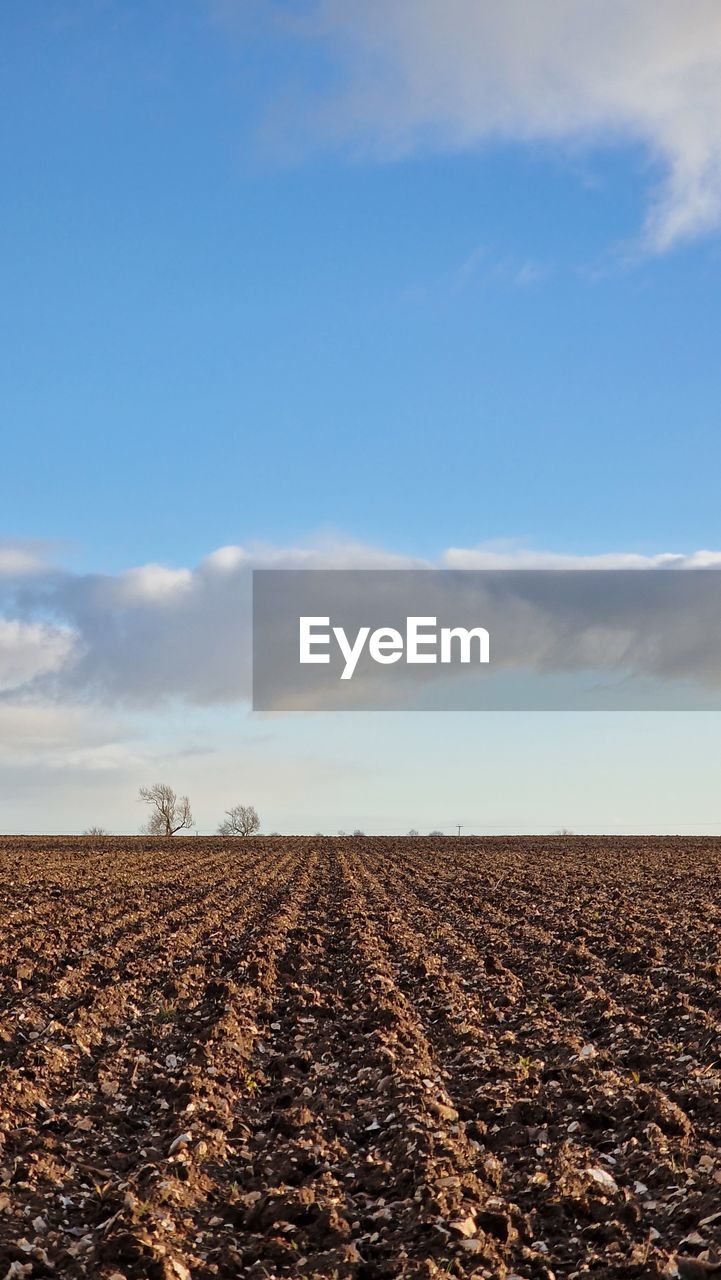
(317, 283)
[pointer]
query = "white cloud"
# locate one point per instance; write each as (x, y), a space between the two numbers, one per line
(520, 558)
(20, 557)
(226, 559)
(452, 75)
(153, 582)
(33, 730)
(154, 635)
(32, 649)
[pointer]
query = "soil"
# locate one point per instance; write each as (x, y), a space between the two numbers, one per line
(360, 1057)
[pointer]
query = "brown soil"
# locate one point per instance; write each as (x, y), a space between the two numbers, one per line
(360, 1058)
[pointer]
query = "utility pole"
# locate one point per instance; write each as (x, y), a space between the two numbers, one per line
(460, 827)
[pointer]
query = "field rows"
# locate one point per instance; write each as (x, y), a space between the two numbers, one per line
(362, 1058)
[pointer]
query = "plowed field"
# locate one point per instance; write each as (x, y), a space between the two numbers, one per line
(360, 1058)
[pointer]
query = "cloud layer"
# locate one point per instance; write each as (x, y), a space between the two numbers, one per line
(155, 634)
(419, 74)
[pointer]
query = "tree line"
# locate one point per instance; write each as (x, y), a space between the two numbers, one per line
(171, 813)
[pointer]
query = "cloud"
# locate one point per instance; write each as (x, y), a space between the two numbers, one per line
(416, 74)
(22, 556)
(155, 635)
(520, 558)
(32, 649)
(151, 633)
(58, 735)
(153, 582)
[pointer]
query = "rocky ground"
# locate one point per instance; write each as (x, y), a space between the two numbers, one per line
(360, 1058)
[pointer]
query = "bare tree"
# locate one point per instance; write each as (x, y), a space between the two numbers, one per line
(241, 820)
(435, 833)
(358, 832)
(413, 832)
(168, 812)
(96, 831)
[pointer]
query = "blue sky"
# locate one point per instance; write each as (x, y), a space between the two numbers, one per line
(437, 349)
(252, 294)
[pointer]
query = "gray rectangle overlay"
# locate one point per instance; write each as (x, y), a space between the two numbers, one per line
(563, 640)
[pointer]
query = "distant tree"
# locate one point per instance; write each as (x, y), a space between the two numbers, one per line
(358, 832)
(435, 833)
(413, 832)
(168, 812)
(563, 831)
(241, 820)
(96, 831)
